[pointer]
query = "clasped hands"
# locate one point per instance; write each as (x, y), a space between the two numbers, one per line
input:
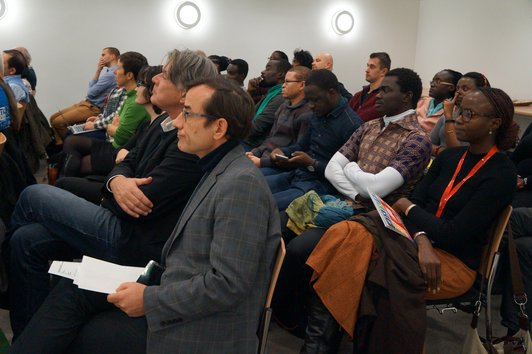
(297, 159)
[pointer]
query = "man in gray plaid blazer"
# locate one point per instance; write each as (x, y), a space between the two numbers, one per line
(218, 260)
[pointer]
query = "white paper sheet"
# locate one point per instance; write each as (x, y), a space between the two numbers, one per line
(96, 275)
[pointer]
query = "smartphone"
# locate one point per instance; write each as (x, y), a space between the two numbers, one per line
(282, 157)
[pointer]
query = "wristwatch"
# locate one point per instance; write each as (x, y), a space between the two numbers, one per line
(312, 168)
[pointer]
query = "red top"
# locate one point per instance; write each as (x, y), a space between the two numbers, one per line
(366, 110)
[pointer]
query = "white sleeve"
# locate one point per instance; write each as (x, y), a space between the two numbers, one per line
(334, 172)
(382, 183)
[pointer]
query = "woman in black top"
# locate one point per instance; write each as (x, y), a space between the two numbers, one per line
(486, 123)
(448, 216)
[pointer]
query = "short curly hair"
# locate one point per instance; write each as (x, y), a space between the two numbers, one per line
(409, 81)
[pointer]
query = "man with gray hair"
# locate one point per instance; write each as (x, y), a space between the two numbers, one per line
(142, 200)
(217, 262)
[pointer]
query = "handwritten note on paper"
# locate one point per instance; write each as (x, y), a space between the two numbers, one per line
(65, 269)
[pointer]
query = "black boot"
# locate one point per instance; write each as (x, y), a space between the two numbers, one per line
(323, 334)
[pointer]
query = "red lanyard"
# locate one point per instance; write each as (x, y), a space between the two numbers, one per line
(450, 191)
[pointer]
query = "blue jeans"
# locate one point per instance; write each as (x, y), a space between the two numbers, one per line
(287, 186)
(50, 224)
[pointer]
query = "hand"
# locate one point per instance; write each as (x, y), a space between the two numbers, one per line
(301, 159)
(277, 161)
(253, 158)
(122, 153)
(101, 64)
(92, 119)
(88, 126)
(129, 297)
(116, 120)
(520, 182)
(253, 84)
(401, 205)
(448, 107)
(429, 263)
(129, 196)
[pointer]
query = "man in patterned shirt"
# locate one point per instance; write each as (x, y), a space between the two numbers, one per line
(388, 154)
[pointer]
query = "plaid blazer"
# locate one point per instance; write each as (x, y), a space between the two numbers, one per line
(218, 265)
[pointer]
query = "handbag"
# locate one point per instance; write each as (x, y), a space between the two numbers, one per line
(519, 342)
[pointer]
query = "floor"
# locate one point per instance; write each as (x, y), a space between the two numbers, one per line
(445, 332)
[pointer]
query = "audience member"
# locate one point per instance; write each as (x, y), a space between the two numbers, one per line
(86, 156)
(237, 70)
(363, 102)
(324, 60)
(303, 58)
(273, 77)
(290, 122)
(143, 198)
(442, 87)
(449, 245)
(29, 72)
(388, 156)
(257, 88)
(101, 84)
(331, 125)
(207, 301)
(443, 134)
(14, 64)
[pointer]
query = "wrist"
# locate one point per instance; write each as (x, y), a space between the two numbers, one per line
(407, 210)
(420, 236)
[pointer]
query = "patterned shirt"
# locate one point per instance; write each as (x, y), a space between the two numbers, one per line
(402, 145)
(115, 100)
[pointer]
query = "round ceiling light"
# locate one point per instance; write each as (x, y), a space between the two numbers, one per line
(343, 22)
(187, 15)
(3, 8)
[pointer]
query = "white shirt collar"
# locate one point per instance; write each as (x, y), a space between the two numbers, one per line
(167, 124)
(387, 120)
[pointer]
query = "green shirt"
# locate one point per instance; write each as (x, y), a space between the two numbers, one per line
(131, 116)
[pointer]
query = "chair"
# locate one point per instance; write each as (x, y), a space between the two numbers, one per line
(488, 267)
(264, 325)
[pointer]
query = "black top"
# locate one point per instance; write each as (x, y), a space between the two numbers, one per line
(462, 228)
(175, 175)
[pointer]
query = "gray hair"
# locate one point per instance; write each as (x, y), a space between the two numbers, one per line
(186, 66)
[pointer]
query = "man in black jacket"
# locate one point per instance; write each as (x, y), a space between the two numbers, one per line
(143, 198)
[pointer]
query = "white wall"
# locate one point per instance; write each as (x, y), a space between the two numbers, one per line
(65, 37)
(493, 37)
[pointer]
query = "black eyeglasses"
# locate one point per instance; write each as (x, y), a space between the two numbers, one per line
(467, 115)
(438, 82)
(141, 84)
(188, 114)
(289, 81)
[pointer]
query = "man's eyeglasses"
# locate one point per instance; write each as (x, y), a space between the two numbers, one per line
(289, 81)
(188, 114)
(467, 114)
(438, 82)
(141, 84)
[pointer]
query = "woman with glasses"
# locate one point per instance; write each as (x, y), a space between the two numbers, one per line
(448, 217)
(442, 87)
(86, 156)
(443, 135)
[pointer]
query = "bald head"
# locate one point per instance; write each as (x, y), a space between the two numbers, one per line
(323, 60)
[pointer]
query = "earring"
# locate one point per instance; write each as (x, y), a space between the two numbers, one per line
(490, 132)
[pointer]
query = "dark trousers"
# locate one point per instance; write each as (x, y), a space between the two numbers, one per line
(521, 221)
(293, 284)
(76, 321)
